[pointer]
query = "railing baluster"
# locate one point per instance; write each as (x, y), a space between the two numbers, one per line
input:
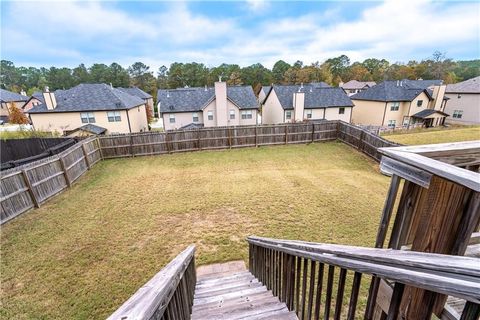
(297, 285)
(341, 289)
(284, 277)
(328, 297)
(471, 311)
(395, 301)
(357, 278)
(304, 286)
(311, 289)
(288, 283)
(292, 283)
(318, 297)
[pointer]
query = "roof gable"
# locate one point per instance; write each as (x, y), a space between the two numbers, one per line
(90, 97)
(354, 84)
(405, 90)
(315, 96)
(135, 91)
(196, 99)
(9, 96)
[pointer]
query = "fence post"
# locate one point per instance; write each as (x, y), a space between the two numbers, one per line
(85, 155)
(100, 148)
(256, 134)
(229, 134)
(65, 173)
(362, 137)
(313, 132)
(199, 140)
(131, 146)
(30, 189)
(286, 134)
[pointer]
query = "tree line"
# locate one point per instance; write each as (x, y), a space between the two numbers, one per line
(332, 71)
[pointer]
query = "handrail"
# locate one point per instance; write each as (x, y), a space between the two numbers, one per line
(456, 276)
(176, 280)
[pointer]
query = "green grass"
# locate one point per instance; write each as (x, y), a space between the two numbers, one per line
(436, 135)
(82, 254)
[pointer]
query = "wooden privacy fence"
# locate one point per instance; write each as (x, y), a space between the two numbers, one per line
(153, 143)
(30, 185)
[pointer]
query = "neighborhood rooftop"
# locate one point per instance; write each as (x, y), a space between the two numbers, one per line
(468, 86)
(9, 96)
(355, 84)
(134, 91)
(399, 90)
(90, 97)
(195, 99)
(317, 95)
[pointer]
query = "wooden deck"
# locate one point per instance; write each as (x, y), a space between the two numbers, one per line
(229, 291)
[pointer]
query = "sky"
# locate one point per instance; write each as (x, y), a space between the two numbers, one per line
(67, 33)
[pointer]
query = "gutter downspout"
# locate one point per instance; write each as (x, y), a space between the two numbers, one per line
(384, 112)
(351, 114)
(128, 119)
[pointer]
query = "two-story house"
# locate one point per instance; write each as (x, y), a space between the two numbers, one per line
(401, 103)
(219, 106)
(86, 106)
(10, 99)
(464, 102)
(315, 101)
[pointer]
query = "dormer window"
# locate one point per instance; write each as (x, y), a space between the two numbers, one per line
(419, 103)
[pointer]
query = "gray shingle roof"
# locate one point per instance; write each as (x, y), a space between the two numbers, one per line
(134, 91)
(91, 128)
(90, 97)
(354, 84)
(195, 99)
(426, 112)
(467, 86)
(405, 90)
(9, 96)
(316, 96)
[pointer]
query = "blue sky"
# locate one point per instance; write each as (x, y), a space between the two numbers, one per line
(67, 33)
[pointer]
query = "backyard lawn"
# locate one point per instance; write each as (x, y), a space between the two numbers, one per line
(83, 253)
(436, 135)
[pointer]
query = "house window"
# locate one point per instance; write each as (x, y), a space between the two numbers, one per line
(172, 118)
(210, 115)
(392, 123)
(87, 117)
(247, 114)
(341, 110)
(308, 114)
(457, 114)
(288, 115)
(195, 117)
(114, 116)
(419, 103)
(232, 114)
(395, 106)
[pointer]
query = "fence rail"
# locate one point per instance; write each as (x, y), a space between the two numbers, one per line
(30, 185)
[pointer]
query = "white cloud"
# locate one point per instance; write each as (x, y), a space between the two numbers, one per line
(90, 32)
(257, 6)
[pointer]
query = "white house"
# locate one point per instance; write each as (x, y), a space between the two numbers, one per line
(315, 101)
(464, 102)
(207, 107)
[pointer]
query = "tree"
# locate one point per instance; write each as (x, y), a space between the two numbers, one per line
(162, 77)
(141, 77)
(278, 70)
(358, 72)
(118, 76)
(235, 79)
(59, 78)
(80, 74)
(339, 66)
(99, 73)
(256, 73)
(16, 116)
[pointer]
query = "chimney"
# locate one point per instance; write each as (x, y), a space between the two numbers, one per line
(23, 93)
(298, 105)
(50, 99)
(340, 84)
(221, 103)
(398, 83)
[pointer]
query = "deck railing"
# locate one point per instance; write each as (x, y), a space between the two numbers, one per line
(294, 271)
(168, 295)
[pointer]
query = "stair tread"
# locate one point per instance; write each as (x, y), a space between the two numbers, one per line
(230, 306)
(221, 291)
(237, 296)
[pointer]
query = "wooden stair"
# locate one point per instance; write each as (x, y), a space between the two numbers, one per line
(236, 296)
